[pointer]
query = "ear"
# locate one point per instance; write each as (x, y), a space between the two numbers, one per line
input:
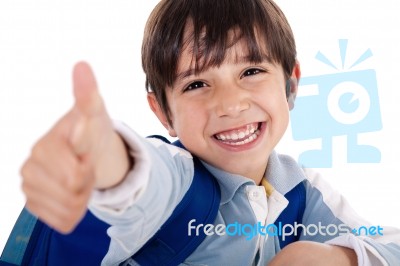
(155, 107)
(293, 85)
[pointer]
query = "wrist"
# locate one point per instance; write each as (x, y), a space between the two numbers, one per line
(114, 165)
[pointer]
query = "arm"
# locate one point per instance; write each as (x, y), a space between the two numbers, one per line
(86, 158)
(326, 206)
(313, 253)
(144, 200)
(73, 157)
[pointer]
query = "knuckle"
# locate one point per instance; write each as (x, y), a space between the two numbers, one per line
(39, 153)
(28, 186)
(38, 150)
(25, 188)
(27, 170)
(44, 146)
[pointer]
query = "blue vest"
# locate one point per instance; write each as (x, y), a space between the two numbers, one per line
(32, 242)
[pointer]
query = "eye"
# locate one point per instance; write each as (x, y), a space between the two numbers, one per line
(251, 72)
(195, 85)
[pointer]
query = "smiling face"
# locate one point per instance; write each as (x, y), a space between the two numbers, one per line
(231, 115)
(216, 72)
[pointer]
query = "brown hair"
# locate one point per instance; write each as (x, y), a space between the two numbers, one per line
(260, 23)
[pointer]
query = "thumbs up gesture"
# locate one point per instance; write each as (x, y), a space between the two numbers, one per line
(80, 152)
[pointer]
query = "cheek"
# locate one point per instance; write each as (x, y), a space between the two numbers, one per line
(271, 98)
(280, 110)
(275, 105)
(281, 118)
(187, 117)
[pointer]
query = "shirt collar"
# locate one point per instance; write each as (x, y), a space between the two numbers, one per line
(283, 173)
(228, 183)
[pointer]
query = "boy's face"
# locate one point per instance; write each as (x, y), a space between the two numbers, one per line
(231, 116)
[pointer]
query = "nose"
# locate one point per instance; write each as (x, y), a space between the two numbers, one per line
(231, 100)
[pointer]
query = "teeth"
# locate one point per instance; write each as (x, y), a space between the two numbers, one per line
(249, 139)
(241, 136)
(234, 136)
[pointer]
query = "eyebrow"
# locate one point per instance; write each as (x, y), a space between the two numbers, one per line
(238, 60)
(185, 74)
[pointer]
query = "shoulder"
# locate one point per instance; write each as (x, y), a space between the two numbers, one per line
(170, 148)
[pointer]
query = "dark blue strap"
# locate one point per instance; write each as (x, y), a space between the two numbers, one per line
(293, 212)
(18, 240)
(34, 243)
(171, 245)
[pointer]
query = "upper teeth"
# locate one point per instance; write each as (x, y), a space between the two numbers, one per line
(238, 134)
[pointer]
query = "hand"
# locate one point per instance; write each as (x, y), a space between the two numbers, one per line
(80, 152)
(309, 253)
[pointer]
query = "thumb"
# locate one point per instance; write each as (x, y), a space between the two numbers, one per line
(89, 109)
(87, 98)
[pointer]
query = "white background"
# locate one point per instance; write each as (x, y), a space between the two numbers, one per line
(41, 40)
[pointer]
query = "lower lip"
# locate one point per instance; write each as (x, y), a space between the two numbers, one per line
(246, 146)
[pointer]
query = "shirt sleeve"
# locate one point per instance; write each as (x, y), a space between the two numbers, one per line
(143, 201)
(340, 225)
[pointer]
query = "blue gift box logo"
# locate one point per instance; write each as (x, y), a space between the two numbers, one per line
(343, 103)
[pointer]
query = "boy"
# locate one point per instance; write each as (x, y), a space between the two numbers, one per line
(221, 76)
